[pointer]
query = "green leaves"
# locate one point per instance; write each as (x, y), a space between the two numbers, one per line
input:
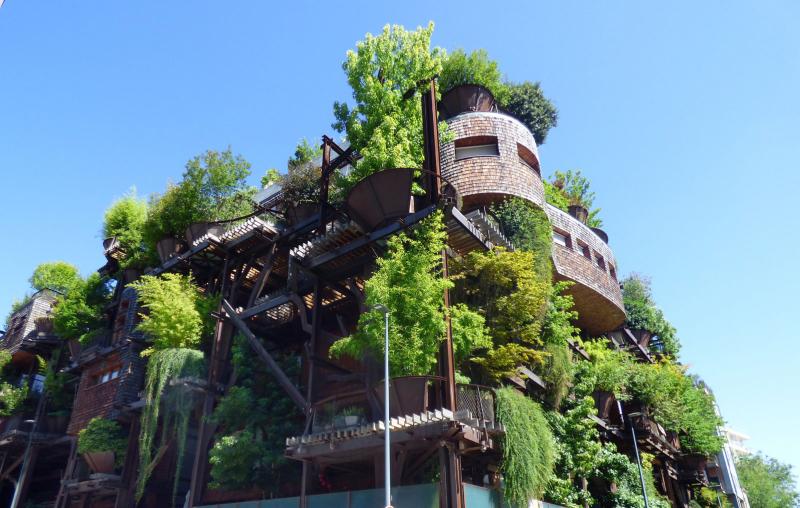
(78, 315)
(102, 435)
(383, 126)
(644, 314)
(125, 220)
(768, 483)
(408, 281)
(172, 319)
(526, 102)
(459, 68)
(57, 275)
(528, 447)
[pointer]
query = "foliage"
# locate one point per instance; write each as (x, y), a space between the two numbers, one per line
(708, 497)
(57, 275)
(172, 319)
(644, 314)
(11, 397)
(304, 153)
(673, 398)
(60, 394)
(385, 125)
(79, 315)
(503, 288)
(574, 188)
(459, 68)
(125, 220)
(213, 188)
(629, 487)
(558, 333)
(768, 482)
(528, 229)
(254, 417)
(102, 435)
(165, 365)
(16, 305)
(408, 281)
(271, 176)
(527, 102)
(555, 197)
(528, 447)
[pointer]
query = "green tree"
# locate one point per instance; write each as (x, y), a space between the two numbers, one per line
(213, 188)
(384, 125)
(56, 275)
(572, 188)
(644, 314)
(476, 68)
(526, 102)
(79, 315)
(125, 220)
(409, 282)
(172, 318)
(768, 482)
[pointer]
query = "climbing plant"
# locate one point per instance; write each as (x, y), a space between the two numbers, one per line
(163, 366)
(529, 229)
(528, 447)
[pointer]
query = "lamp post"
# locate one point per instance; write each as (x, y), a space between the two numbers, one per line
(387, 432)
(636, 450)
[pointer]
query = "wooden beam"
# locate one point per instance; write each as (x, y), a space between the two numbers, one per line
(262, 353)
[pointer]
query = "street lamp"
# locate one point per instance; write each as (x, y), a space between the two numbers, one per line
(636, 450)
(387, 453)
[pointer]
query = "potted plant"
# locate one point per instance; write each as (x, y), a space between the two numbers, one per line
(102, 444)
(301, 190)
(349, 416)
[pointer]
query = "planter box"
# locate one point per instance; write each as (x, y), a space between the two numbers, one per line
(200, 229)
(579, 212)
(466, 98)
(296, 214)
(381, 198)
(100, 462)
(168, 248)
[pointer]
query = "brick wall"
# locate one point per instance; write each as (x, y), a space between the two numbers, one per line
(94, 399)
(597, 295)
(483, 180)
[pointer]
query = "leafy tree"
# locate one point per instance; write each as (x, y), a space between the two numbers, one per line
(528, 447)
(125, 220)
(555, 197)
(526, 101)
(528, 229)
(476, 68)
(503, 288)
(79, 315)
(643, 313)
(172, 318)
(271, 176)
(213, 188)
(384, 125)
(57, 275)
(409, 282)
(11, 397)
(768, 482)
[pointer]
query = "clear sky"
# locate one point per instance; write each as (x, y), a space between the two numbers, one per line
(683, 114)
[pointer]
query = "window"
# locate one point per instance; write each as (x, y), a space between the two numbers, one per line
(612, 271)
(476, 146)
(38, 383)
(601, 263)
(584, 249)
(119, 322)
(108, 375)
(561, 238)
(528, 158)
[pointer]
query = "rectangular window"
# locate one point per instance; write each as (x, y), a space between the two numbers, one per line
(584, 249)
(528, 158)
(612, 271)
(561, 238)
(476, 146)
(601, 263)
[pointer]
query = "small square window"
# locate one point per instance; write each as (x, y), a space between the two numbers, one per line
(584, 249)
(561, 238)
(601, 263)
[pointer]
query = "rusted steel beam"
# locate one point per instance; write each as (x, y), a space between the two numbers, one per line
(262, 353)
(266, 269)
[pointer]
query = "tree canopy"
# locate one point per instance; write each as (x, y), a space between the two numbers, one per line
(768, 482)
(56, 275)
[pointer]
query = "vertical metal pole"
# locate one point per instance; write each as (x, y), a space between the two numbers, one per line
(639, 463)
(387, 445)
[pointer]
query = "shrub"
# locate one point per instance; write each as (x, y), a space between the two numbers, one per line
(11, 397)
(572, 188)
(528, 447)
(527, 102)
(102, 435)
(528, 229)
(644, 314)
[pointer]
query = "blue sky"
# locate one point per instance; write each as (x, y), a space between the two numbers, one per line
(683, 114)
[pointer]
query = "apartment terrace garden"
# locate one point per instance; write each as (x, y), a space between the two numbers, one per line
(230, 349)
